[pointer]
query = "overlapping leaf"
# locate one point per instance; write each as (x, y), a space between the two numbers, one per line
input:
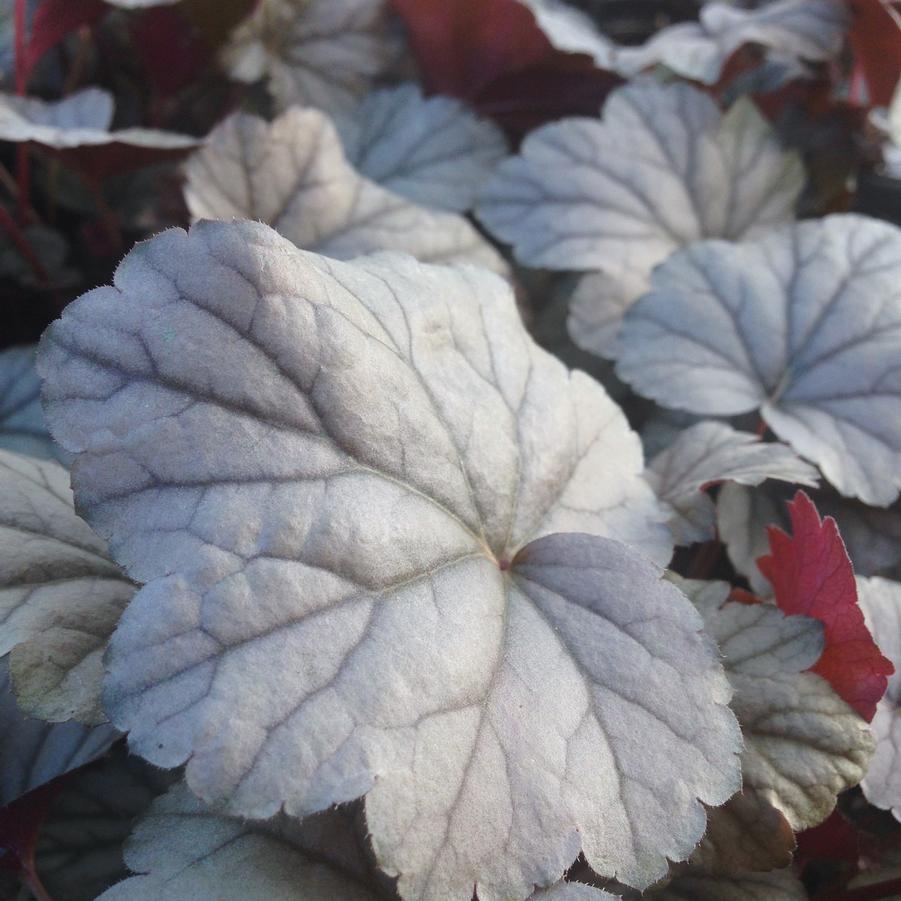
(871, 536)
(880, 600)
(183, 847)
(811, 30)
(80, 845)
(34, 752)
(434, 151)
(346, 595)
(292, 174)
(22, 426)
(60, 594)
(81, 120)
(699, 885)
(811, 574)
(713, 452)
(662, 169)
(321, 53)
(803, 324)
(803, 743)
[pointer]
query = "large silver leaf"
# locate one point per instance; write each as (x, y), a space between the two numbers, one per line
(803, 324)
(292, 174)
(332, 477)
(60, 594)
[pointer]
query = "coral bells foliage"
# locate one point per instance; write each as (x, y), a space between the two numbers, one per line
(385, 526)
(811, 574)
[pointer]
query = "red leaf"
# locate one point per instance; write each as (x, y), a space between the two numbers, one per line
(54, 20)
(811, 574)
(876, 40)
(493, 54)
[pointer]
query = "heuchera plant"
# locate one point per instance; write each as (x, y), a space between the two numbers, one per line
(477, 474)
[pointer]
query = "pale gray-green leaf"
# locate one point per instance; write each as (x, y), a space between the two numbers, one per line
(292, 175)
(321, 53)
(82, 119)
(434, 151)
(712, 452)
(803, 324)
(34, 752)
(60, 594)
(803, 744)
(183, 849)
(663, 168)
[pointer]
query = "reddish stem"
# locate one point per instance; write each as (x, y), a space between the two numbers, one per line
(11, 227)
(761, 428)
(22, 159)
(33, 881)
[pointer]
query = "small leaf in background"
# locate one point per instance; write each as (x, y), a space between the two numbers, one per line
(60, 594)
(292, 175)
(35, 753)
(78, 129)
(811, 573)
(711, 452)
(320, 53)
(22, 426)
(434, 151)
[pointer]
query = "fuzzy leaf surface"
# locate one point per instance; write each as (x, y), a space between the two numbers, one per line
(60, 594)
(714, 452)
(803, 324)
(434, 151)
(292, 174)
(344, 586)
